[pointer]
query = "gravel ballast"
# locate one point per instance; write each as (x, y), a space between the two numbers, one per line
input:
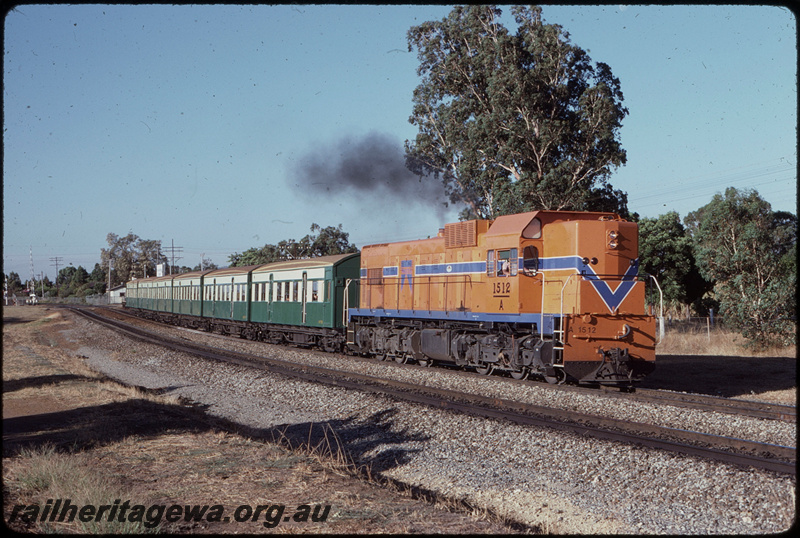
(559, 482)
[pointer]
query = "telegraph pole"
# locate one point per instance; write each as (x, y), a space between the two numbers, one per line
(172, 250)
(56, 260)
(109, 276)
(33, 275)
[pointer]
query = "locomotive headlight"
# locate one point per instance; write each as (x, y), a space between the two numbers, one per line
(613, 239)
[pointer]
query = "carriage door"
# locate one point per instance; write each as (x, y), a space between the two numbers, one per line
(232, 295)
(271, 296)
(303, 295)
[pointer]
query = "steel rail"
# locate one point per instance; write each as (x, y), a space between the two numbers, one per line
(731, 406)
(755, 454)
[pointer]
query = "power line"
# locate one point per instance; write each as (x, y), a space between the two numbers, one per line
(779, 174)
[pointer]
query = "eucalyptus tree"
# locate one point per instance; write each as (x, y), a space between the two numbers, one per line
(513, 121)
(320, 242)
(749, 251)
(665, 251)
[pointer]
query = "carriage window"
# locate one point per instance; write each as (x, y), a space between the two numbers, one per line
(314, 288)
(285, 291)
(294, 291)
(507, 262)
(530, 261)
(278, 295)
(490, 262)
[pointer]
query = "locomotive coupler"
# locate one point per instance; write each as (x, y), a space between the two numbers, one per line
(615, 367)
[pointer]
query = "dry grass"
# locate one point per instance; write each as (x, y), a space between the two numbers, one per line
(71, 433)
(42, 473)
(718, 342)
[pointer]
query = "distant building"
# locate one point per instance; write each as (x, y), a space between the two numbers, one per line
(117, 295)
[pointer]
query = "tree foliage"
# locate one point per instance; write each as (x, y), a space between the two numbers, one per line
(749, 251)
(14, 283)
(325, 242)
(130, 256)
(77, 282)
(513, 122)
(666, 252)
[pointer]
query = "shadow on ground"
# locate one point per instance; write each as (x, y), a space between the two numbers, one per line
(722, 375)
(374, 442)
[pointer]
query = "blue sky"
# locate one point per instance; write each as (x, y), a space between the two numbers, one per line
(200, 124)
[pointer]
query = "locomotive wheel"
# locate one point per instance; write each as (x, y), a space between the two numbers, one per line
(425, 362)
(402, 358)
(381, 356)
(557, 379)
(485, 369)
(521, 374)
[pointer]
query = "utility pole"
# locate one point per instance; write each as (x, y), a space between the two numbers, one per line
(33, 275)
(172, 250)
(56, 260)
(109, 275)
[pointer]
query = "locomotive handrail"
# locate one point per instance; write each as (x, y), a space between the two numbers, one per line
(346, 302)
(660, 310)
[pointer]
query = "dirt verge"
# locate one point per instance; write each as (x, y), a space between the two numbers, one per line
(151, 451)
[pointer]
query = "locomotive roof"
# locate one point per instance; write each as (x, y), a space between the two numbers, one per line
(515, 224)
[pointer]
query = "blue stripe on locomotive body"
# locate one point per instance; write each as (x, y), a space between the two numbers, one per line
(478, 267)
(455, 268)
(476, 317)
(612, 298)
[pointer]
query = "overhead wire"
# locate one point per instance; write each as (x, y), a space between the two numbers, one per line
(779, 173)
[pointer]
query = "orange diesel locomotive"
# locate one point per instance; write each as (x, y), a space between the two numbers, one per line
(549, 293)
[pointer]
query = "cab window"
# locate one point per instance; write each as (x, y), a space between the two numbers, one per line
(533, 230)
(507, 262)
(530, 261)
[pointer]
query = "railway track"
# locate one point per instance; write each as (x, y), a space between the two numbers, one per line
(766, 456)
(730, 406)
